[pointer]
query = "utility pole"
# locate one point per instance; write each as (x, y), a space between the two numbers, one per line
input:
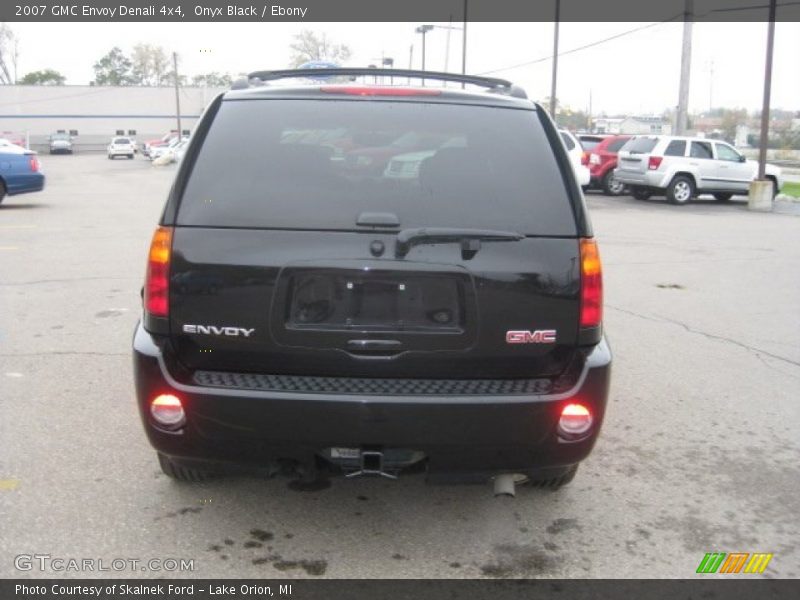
(762, 150)
(682, 115)
(711, 86)
(177, 93)
(555, 63)
(464, 46)
(762, 190)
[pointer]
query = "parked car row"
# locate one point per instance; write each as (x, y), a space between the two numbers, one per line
(677, 167)
(682, 167)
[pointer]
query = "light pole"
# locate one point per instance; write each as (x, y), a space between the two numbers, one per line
(553, 103)
(177, 93)
(423, 29)
(388, 62)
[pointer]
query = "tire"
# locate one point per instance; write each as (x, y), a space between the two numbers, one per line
(2, 191)
(641, 193)
(554, 483)
(179, 472)
(680, 190)
(611, 187)
(130, 156)
(723, 197)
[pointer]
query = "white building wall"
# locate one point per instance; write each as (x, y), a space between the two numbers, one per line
(97, 112)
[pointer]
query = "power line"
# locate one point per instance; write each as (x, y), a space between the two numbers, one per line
(674, 18)
(579, 48)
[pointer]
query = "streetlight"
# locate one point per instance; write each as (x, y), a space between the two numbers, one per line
(423, 29)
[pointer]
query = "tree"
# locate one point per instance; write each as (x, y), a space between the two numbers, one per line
(43, 77)
(150, 65)
(113, 69)
(8, 55)
(308, 46)
(212, 79)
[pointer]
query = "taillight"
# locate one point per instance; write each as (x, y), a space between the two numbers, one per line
(167, 410)
(378, 91)
(576, 420)
(585, 158)
(654, 162)
(591, 284)
(34, 164)
(594, 159)
(156, 287)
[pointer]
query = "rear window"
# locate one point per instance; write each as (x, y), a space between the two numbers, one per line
(121, 141)
(615, 145)
(641, 145)
(318, 164)
(676, 148)
(589, 143)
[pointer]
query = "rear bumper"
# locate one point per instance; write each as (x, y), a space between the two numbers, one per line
(648, 179)
(30, 182)
(461, 436)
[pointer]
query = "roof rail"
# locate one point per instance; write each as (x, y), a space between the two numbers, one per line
(494, 84)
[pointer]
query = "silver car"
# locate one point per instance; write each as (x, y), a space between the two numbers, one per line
(683, 167)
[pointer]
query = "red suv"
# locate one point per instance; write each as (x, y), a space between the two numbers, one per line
(602, 160)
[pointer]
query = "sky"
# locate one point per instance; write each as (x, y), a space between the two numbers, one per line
(636, 73)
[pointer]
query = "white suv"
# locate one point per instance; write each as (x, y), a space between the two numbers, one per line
(682, 167)
(121, 146)
(575, 151)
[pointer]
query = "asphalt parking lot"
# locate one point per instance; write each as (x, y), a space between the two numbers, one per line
(699, 453)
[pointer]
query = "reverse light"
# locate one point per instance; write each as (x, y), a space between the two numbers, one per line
(378, 91)
(591, 284)
(156, 287)
(576, 419)
(654, 162)
(167, 410)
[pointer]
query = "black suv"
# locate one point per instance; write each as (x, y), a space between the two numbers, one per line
(362, 279)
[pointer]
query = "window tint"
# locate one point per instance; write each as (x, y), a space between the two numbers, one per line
(589, 144)
(725, 152)
(567, 141)
(641, 145)
(121, 141)
(676, 148)
(318, 164)
(701, 150)
(615, 145)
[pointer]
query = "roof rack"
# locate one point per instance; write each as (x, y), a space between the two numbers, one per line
(494, 84)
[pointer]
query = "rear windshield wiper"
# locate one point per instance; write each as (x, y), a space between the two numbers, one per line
(470, 239)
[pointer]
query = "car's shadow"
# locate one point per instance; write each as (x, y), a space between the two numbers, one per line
(22, 206)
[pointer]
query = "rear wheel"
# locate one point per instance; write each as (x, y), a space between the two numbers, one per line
(2, 191)
(641, 193)
(179, 472)
(611, 185)
(723, 197)
(680, 190)
(130, 156)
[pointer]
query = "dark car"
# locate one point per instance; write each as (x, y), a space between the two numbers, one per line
(364, 324)
(602, 160)
(20, 173)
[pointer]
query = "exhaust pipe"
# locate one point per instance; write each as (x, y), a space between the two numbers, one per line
(504, 485)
